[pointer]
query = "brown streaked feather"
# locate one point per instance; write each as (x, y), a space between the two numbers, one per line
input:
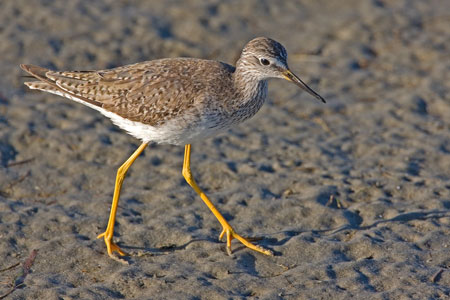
(36, 71)
(40, 85)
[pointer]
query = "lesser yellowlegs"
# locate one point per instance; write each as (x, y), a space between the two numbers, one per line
(176, 101)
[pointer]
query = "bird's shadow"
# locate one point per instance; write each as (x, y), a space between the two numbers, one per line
(137, 251)
(245, 259)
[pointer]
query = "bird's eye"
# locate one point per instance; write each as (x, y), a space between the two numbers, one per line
(264, 61)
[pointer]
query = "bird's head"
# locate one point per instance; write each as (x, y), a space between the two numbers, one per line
(265, 58)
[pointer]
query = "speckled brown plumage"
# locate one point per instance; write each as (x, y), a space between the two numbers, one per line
(191, 94)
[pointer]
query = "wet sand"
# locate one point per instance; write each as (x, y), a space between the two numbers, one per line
(353, 196)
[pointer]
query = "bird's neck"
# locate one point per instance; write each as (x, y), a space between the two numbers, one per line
(248, 85)
(251, 93)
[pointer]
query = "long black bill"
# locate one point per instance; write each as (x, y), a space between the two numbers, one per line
(288, 75)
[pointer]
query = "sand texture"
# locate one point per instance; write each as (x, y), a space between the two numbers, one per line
(353, 196)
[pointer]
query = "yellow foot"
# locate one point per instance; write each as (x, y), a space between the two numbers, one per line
(110, 245)
(233, 235)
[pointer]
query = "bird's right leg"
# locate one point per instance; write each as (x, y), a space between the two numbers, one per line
(121, 172)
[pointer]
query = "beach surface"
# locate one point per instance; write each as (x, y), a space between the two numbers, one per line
(352, 196)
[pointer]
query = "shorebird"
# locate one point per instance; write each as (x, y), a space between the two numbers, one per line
(175, 101)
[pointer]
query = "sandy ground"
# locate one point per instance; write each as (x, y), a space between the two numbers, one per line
(353, 196)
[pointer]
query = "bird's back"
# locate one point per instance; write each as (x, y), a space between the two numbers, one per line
(150, 92)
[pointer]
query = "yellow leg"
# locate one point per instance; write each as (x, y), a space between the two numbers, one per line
(121, 172)
(227, 229)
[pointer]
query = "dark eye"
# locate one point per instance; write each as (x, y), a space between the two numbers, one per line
(264, 62)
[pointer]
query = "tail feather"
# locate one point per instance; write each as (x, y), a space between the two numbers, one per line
(39, 85)
(36, 71)
(48, 84)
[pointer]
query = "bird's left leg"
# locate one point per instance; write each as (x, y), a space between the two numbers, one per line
(227, 229)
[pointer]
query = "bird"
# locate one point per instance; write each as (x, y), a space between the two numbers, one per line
(176, 101)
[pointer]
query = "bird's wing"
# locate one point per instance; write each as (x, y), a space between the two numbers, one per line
(141, 92)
